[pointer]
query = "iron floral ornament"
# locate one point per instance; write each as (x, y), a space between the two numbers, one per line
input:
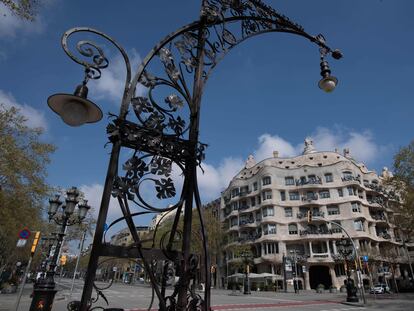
(157, 134)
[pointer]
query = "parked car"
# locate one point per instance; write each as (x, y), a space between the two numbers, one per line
(380, 289)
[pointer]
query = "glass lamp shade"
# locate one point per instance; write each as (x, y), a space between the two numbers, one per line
(328, 84)
(76, 109)
(83, 209)
(54, 204)
(70, 207)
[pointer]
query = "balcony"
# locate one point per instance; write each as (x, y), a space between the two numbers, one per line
(310, 197)
(310, 181)
(351, 178)
(384, 235)
(244, 222)
(379, 217)
(301, 215)
(325, 255)
(315, 232)
(243, 207)
(244, 193)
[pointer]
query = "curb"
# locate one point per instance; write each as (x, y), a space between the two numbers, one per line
(355, 304)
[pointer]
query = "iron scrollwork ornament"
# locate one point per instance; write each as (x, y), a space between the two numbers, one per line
(158, 129)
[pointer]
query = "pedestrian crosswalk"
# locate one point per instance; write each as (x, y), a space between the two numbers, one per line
(345, 309)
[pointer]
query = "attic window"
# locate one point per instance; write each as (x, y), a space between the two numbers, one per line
(319, 164)
(293, 162)
(310, 158)
(286, 166)
(325, 156)
(280, 162)
(337, 157)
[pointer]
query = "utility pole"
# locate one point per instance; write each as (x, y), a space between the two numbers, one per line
(78, 259)
(32, 252)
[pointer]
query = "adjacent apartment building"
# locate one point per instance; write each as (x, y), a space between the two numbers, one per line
(265, 207)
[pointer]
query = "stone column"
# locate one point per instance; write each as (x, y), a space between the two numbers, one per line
(335, 282)
(306, 279)
(310, 249)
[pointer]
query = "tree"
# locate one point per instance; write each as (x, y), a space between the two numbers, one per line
(25, 9)
(23, 161)
(403, 181)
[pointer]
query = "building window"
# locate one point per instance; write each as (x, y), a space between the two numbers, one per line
(293, 229)
(333, 210)
(268, 211)
(288, 212)
(235, 192)
(293, 195)
(335, 228)
(244, 190)
(269, 229)
(328, 177)
(347, 175)
(270, 248)
(358, 225)
(289, 181)
(356, 207)
(340, 193)
(258, 216)
(243, 204)
(233, 221)
(252, 201)
(235, 206)
(282, 195)
(340, 270)
(324, 194)
(255, 186)
(266, 180)
(350, 190)
(267, 195)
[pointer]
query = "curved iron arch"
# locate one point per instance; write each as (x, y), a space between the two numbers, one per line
(162, 138)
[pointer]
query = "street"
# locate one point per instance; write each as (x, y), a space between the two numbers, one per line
(138, 297)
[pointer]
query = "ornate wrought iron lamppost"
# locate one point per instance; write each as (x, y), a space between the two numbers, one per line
(346, 251)
(164, 131)
(44, 291)
(246, 256)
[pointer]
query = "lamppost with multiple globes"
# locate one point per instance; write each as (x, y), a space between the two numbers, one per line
(346, 251)
(64, 215)
(246, 257)
(161, 127)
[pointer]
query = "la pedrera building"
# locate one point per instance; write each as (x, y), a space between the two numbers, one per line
(265, 207)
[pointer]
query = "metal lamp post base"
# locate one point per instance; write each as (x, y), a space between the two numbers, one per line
(42, 299)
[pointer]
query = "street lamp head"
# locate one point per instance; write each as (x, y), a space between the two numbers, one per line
(71, 200)
(75, 109)
(54, 204)
(83, 209)
(328, 83)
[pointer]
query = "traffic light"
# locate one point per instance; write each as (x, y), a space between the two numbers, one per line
(35, 241)
(309, 216)
(63, 260)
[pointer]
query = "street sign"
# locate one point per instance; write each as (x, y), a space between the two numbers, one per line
(21, 243)
(365, 258)
(24, 234)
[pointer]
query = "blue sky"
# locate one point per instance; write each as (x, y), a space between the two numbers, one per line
(262, 97)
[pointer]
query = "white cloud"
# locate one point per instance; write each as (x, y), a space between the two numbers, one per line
(112, 82)
(93, 193)
(35, 118)
(361, 144)
(11, 25)
(216, 178)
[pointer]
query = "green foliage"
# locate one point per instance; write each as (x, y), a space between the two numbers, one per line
(23, 161)
(403, 181)
(25, 9)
